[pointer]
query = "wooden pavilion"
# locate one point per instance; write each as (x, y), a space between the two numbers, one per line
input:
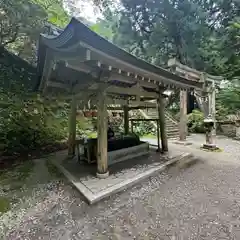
(84, 66)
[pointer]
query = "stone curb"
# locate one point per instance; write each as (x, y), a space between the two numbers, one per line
(95, 197)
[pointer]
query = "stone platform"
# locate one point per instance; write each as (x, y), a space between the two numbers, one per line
(122, 175)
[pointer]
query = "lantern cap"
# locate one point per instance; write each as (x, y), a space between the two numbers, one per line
(208, 119)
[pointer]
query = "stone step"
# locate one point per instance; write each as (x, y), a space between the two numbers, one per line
(171, 126)
(173, 133)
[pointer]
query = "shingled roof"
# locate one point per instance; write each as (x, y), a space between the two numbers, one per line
(76, 34)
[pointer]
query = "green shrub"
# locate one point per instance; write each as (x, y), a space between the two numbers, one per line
(195, 122)
(142, 128)
(28, 122)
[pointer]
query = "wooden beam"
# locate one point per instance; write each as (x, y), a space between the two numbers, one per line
(82, 67)
(130, 103)
(180, 68)
(47, 69)
(109, 60)
(89, 85)
(143, 119)
(133, 91)
(58, 85)
(80, 53)
(123, 76)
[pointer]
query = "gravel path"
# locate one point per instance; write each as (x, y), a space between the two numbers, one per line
(200, 202)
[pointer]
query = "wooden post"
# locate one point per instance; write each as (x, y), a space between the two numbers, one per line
(47, 69)
(212, 110)
(183, 116)
(132, 126)
(161, 116)
(126, 119)
(102, 157)
(72, 128)
(158, 136)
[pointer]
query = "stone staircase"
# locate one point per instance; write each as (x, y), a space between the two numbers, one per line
(171, 124)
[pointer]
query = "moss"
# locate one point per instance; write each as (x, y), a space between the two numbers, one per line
(24, 170)
(16, 176)
(4, 205)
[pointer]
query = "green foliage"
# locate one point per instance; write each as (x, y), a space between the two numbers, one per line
(229, 98)
(18, 19)
(28, 122)
(18, 175)
(103, 28)
(54, 11)
(142, 128)
(22, 21)
(202, 34)
(195, 122)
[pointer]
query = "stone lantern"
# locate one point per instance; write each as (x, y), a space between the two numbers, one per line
(209, 127)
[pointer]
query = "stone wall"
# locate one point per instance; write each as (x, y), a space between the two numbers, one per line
(226, 128)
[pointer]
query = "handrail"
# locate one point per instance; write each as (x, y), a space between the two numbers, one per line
(170, 116)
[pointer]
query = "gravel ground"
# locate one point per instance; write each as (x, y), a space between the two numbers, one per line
(199, 202)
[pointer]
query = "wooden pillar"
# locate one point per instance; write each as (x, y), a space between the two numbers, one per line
(212, 110)
(158, 136)
(126, 119)
(183, 116)
(102, 157)
(132, 126)
(162, 123)
(72, 128)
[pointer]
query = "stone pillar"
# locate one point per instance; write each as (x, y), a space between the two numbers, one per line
(72, 128)
(126, 119)
(161, 116)
(183, 116)
(102, 144)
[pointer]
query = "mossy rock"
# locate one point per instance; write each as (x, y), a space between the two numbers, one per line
(4, 205)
